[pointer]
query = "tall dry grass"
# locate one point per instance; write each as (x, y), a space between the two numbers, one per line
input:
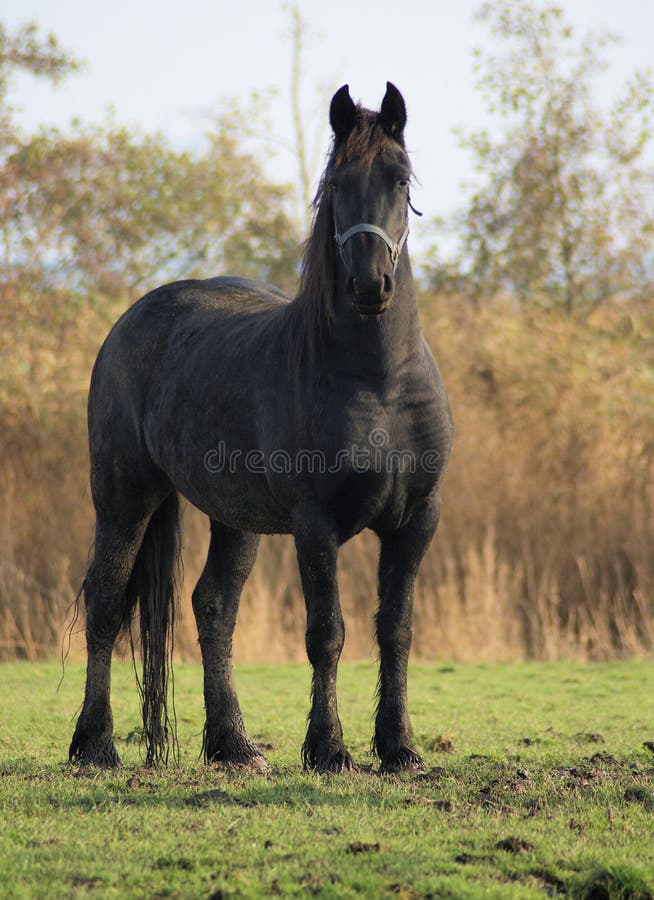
(546, 546)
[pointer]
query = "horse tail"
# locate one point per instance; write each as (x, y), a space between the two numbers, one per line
(153, 586)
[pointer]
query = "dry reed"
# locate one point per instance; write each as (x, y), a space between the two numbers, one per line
(546, 547)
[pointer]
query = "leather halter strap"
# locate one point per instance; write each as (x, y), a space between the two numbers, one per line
(395, 248)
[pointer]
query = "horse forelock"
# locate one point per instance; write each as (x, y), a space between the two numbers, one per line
(367, 140)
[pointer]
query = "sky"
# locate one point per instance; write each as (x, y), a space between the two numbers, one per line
(171, 66)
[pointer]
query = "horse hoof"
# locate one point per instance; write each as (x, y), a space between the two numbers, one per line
(256, 763)
(103, 755)
(406, 759)
(336, 762)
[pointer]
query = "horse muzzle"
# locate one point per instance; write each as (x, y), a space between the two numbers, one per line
(373, 286)
(372, 297)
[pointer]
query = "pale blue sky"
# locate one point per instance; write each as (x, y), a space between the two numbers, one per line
(168, 65)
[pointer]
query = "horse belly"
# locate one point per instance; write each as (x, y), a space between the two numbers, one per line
(243, 503)
(219, 468)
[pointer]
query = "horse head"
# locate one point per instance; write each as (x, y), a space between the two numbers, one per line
(368, 179)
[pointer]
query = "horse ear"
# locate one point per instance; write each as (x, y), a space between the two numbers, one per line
(393, 111)
(342, 112)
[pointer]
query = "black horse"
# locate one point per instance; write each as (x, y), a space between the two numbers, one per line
(319, 417)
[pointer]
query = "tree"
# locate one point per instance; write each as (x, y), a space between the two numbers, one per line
(43, 57)
(306, 152)
(27, 50)
(562, 213)
(104, 213)
(93, 217)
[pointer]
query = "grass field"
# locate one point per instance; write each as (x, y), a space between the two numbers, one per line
(540, 783)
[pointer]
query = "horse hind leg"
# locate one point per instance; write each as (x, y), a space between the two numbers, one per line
(105, 594)
(215, 603)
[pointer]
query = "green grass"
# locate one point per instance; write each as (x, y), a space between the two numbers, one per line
(538, 784)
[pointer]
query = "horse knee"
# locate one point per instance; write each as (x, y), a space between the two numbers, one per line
(325, 641)
(394, 637)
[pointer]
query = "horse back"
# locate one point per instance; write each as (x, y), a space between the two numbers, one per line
(158, 368)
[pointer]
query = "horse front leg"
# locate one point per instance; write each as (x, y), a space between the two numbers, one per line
(317, 549)
(401, 554)
(215, 603)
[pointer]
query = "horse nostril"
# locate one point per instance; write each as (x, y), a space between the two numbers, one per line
(387, 286)
(371, 289)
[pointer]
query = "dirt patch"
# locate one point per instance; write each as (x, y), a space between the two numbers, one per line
(534, 805)
(164, 862)
(418, 801)
(357, 847)
(489, 800)
(603, 883)
(589, 737)
(549, 882)
(443, 744)
(466, 859)
(403, 891)
(640, 794)
(514, 845)
(79, 881)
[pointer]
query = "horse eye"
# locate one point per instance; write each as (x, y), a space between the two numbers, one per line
(332, 185)
(403, 182)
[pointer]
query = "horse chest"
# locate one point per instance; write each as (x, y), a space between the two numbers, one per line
(384, 457)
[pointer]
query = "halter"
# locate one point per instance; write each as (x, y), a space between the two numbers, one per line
(394, 248)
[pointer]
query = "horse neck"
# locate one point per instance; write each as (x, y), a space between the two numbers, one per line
(379, 347)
